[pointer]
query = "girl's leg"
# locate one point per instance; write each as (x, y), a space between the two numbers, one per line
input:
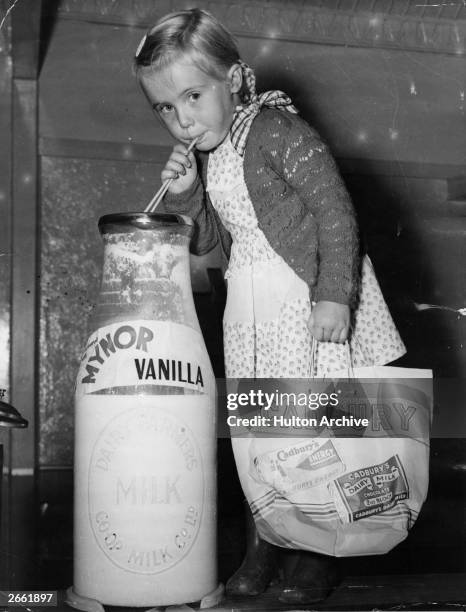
(309, 577)
(259, 566)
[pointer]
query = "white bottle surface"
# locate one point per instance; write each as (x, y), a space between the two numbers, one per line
(145, 466)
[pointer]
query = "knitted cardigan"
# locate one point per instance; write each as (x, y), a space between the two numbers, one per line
(300, 201)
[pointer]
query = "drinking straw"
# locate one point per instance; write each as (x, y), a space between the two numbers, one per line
(165, 185)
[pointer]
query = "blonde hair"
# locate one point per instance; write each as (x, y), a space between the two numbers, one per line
(203, 38)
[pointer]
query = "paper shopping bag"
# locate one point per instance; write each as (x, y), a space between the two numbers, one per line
(347, 496)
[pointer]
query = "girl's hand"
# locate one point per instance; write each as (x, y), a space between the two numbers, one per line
(329, 322)
(182, 167)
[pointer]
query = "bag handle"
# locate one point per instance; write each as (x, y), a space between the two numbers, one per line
(315, 356)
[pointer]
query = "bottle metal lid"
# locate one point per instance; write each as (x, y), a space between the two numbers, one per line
(142, 220)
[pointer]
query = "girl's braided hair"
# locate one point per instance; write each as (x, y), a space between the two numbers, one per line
(196, 33)
(248, 91)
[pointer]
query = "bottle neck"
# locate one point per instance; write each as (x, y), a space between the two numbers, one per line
(146, 276)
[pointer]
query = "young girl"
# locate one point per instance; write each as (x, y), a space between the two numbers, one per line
(264, 186)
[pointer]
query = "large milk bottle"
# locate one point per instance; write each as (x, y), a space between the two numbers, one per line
(145, 466)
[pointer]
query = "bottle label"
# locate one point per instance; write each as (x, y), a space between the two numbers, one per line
(146, 487)
(143, 353)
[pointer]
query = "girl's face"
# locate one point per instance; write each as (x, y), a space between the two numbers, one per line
(191, 103)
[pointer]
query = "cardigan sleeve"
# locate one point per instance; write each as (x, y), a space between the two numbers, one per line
(192, 202)
(307, 166)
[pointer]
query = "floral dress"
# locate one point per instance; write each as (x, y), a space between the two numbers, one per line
(265, 324)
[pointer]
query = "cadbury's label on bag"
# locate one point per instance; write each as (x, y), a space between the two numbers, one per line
(301, 466)
(141, 353)
(369, 490)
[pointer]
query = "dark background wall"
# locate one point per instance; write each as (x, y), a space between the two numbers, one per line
(384, 83)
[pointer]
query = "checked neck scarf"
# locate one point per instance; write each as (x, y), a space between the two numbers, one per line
(244, 115)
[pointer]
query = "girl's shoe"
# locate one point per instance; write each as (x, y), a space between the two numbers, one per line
(259, 567)
(312, 579)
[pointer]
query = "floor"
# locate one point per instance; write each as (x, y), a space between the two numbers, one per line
(415, 592)
(405, 593)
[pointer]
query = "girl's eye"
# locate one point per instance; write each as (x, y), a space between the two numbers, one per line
(194, 96)
(164, 109)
